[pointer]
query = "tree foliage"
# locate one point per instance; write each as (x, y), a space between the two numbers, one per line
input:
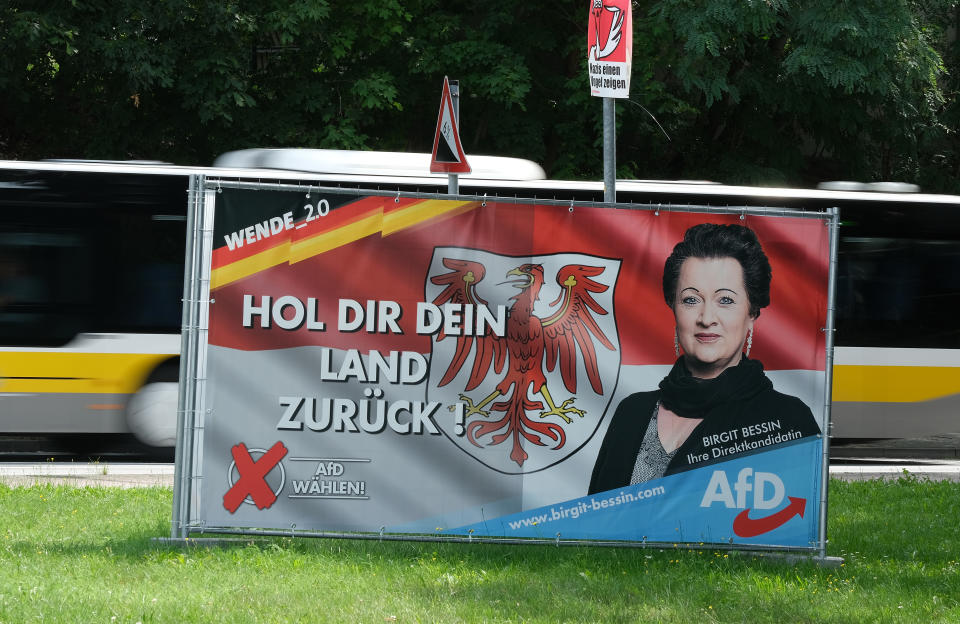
(761, 91)
(810, 89)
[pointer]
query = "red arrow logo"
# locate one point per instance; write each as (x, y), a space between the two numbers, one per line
(745, 526)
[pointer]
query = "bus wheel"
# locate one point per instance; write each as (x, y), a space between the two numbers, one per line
(152, 411)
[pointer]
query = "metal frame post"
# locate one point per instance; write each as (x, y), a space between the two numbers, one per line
(186, 402)
(834, 229)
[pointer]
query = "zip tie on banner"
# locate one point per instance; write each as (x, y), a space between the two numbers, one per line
(483, 204)
(558, 539)
(571, 206)
(396, 199)
(743, 215)
(382, 529)
(293, 529)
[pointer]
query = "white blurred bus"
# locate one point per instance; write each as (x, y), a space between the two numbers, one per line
(91, 275)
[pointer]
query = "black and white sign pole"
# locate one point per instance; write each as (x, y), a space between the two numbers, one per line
(453, 179)
(609, 151)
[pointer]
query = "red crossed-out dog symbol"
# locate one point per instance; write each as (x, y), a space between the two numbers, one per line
(253, 477)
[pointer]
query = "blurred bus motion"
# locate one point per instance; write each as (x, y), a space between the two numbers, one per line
(91, 274)
(91, 278)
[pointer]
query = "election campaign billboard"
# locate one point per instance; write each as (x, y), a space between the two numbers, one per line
(507, 369)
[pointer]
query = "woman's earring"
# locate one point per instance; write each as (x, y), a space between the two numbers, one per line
(749, 342)
(676, 343)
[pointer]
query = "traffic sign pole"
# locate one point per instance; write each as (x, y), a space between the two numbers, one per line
(453, 179)
(609, 56)
(448, 155)
(609, 150)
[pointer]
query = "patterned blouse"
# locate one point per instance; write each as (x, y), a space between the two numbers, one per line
(652, 460)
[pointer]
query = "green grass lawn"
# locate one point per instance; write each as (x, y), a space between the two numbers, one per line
(86, 555)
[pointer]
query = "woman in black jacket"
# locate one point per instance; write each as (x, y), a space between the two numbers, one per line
(715, 403)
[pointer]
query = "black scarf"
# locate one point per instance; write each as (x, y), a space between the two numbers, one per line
(693, 397)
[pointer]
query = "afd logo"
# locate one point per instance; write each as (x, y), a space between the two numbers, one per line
(767, 492)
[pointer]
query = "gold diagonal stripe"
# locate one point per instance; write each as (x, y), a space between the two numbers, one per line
(344, 235)
(375, 222)
(418, 213)
(248, 266)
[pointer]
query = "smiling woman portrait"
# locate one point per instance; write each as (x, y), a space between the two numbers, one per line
(715, 403)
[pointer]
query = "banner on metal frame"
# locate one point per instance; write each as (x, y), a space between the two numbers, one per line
(509, 370)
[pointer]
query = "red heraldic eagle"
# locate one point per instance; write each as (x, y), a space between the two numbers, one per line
(530, 346)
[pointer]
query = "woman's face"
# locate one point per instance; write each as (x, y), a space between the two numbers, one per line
(713, 314)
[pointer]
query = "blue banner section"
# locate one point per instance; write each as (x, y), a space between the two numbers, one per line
(770, 498)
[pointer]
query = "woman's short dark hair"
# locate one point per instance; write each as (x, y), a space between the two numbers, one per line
(710, 240)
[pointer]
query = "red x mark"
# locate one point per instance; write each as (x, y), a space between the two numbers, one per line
(252, 481)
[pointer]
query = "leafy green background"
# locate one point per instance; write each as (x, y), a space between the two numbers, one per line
(783, 92)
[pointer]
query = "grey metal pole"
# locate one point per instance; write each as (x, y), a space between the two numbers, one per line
(828, 372)
(185, 403)
(453, 179)
(609, 151)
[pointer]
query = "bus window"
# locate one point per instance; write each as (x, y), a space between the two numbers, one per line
(898, 292)
(89, 253)
(41, 288)
(140, 281)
